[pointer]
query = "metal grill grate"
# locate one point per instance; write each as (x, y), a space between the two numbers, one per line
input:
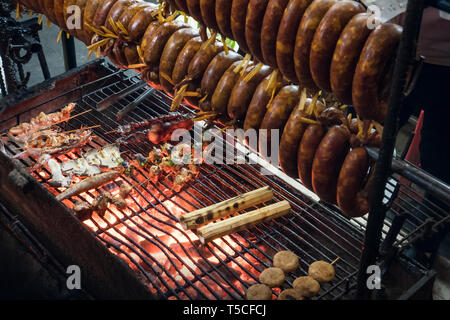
(148, 236)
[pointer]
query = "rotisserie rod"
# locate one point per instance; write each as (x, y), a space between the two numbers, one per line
(225, 208)
(243, 221)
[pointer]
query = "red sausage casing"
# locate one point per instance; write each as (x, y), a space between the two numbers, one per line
(350, 183)
(327, 162)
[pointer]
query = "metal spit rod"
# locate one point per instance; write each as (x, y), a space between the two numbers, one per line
(420, 177)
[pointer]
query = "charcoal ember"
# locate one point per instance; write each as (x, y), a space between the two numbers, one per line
(204, 265)
(229, 272)
(184, 249)
(204, 251)
(210, 289)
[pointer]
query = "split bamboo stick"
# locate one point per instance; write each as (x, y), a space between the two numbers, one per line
(198, 218)
(243, 221)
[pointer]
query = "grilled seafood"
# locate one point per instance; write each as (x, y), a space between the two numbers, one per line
(58, 179)
(88, 184)
(54, 145)
(156, 131)
(24, 131)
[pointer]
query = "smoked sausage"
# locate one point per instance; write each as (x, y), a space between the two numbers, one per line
(305, 34)
(350, 184)
(346, 56)
(379, 50)
(327, 163)
(326, 38)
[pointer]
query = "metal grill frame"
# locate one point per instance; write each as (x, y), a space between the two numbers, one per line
(296, 224)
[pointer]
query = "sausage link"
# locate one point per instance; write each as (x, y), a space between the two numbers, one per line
(326, 38)
(351, 178)
(184, 59)
(269, 30)
(153, 51)
(307, 149)
(131, 53)
(277, 116)
(258, 106)
(30, 5)
(223, 17)
(147, 37)
(328, 161)
(170, 54)
(287, 36)
(194, 10)
(346, 55)
(59, 14)
(208, 11)
(243, 91)
(253, 24)
(89, 14)
(198, 66)
(379, 49)
(218, 66)
(290, 140)
(139, 23)
(131, 11)
(238, 16)
(310, 21)
(221, 96)
(102, 12)
(202, 59)
(50, 10)
(118, 54)
(82, 34)
(116, 11)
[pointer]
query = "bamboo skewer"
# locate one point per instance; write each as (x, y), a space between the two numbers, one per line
(335, 260)
(225, 208)
(243, 221)
(88, 128)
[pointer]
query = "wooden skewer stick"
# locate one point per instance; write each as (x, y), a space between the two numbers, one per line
(225, 208)
(335, 260)
(72, 131)
(243, 221)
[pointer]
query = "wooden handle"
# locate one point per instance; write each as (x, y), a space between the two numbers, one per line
(223, 209)
(243, 221)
